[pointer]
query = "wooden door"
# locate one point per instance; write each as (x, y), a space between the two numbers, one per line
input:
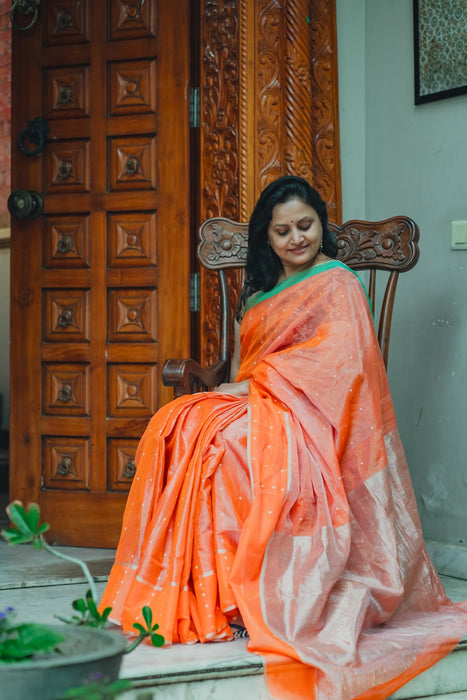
(100, 280)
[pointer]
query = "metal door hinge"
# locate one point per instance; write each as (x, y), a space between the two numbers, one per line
(194, 107)
(195, 292)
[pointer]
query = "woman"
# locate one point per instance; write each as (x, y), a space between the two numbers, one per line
(283, 499)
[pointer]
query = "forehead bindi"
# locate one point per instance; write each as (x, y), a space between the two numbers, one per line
(283, 221)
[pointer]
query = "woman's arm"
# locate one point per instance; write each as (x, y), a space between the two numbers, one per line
(234, 367)
(235, 388)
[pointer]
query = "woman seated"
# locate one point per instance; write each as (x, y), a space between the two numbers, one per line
(282, 500)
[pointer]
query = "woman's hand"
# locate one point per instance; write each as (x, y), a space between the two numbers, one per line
(234, 388)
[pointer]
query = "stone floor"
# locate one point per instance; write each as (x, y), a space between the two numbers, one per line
(39, 585)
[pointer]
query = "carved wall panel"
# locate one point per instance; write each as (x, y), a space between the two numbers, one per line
(132, 315)
(268, 52)
(66, 315)
(67, 92)
(121, 462)
(299, 135)
(132, 239)
(67, 21)
(130, 87)
(268, 107)
(219, 141)
(132, 163)
(66, 389)
(219, 108)
(67, 241)
(66, 463)
(132, 19)
(132, 390)
(67, 166)
(325, 106)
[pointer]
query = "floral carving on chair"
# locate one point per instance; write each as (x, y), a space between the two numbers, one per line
(224, 245)
(357, 245)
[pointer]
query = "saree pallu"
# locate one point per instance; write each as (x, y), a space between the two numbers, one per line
(292, 507)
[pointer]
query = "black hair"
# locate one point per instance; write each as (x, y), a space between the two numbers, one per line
(263, 266)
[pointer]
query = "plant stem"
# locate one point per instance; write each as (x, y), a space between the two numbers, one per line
(80, 563)
(135, 643)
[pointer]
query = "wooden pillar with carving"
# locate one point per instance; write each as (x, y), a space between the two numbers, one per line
(268, 90)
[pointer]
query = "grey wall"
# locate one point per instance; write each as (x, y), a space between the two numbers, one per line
(398, 158)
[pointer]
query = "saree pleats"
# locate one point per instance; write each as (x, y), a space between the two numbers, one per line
(292, 507)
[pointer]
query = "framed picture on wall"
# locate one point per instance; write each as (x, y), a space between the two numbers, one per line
(440, 49)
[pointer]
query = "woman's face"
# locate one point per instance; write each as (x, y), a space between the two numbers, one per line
(295, 234)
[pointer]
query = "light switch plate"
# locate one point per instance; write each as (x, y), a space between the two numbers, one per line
(459, 235)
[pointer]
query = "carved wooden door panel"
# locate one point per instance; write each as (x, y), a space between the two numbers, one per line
(99, 280)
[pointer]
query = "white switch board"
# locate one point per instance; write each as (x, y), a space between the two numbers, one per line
(459, 235)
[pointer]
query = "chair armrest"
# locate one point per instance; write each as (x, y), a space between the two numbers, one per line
(187, 376)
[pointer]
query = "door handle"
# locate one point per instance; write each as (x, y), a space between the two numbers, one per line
(25, 204)
(36, 132)
(24, 7)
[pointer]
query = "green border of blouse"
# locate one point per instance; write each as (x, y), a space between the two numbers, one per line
(299, 277)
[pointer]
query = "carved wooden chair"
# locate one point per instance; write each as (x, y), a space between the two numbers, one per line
(390, 245)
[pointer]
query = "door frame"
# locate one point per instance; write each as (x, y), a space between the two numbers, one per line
(269, 107)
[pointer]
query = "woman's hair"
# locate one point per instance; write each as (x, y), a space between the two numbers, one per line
(263, 266)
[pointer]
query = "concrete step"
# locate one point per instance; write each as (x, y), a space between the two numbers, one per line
(38, 586)
(204, 672)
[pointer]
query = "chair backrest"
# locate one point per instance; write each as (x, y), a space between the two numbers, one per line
(390, 245)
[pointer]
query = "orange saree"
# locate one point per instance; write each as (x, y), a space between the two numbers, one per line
(293, 507)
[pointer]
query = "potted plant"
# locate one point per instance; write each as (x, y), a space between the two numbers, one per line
(45, 662)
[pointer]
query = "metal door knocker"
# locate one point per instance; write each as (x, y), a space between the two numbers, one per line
(65, 318)
(65, 393)
(64, 467)
(36, 132)
(24, 7)
(129, 469)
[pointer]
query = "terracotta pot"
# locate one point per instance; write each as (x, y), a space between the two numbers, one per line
(84, 652)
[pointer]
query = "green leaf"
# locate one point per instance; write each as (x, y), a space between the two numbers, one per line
(80, 605)
(147, 614)
(43, 528)
(26, 522)
(33, 516)
(28, 639)
(9, 532)
(15, 537)
(92, 607)
(19, 517)
(11, 650)
(105, 614)
(41, 637)
(140, 628)
(157, 640)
